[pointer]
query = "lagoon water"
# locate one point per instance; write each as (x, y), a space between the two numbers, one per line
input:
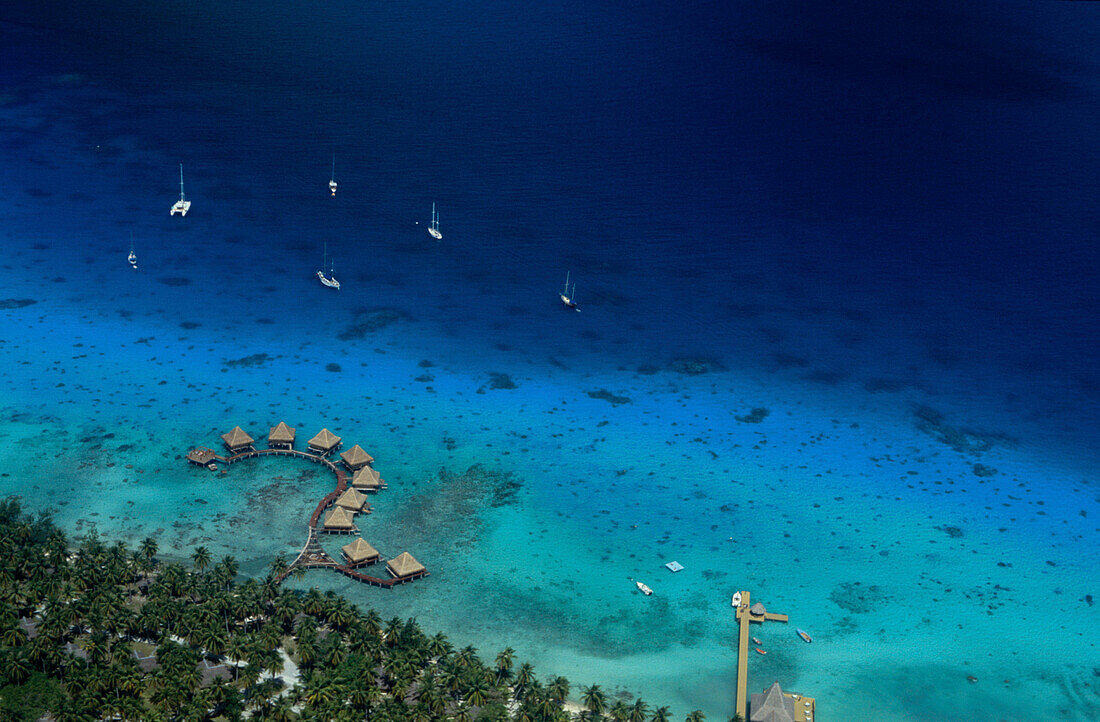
(837, 272)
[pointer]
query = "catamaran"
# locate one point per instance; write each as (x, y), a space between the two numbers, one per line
(433, 229)
(132, 258)
(568, 294)
(182, 205)
(332, 183)
(330, 280)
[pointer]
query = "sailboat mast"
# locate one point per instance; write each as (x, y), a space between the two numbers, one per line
(181, 181)
(334, 166)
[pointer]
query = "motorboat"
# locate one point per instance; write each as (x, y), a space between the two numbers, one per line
(644, 588)
(805, 637)
(736, 600)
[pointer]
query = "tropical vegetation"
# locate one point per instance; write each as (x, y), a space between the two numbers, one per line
(96, 631)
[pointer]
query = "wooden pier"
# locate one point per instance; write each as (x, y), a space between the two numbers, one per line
(745, 617)
(312, 554)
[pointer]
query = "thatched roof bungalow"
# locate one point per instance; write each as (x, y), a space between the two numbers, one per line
(237, 440)
(771, 706)
(352, 500)
(366, 479)
(281, 437)
(355, 458)
(324, 443)
(360, 552)
(405, 565)
(339, 519)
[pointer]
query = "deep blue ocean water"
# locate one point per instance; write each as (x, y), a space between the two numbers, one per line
(876, 221)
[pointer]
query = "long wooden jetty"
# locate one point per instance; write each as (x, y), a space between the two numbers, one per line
(312, 554)
(745, 617)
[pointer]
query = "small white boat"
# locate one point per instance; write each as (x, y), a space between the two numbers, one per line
(433, 229)
(736, 600)
(182, 205)
(329, 280)
(644, 588)
(132, 258)
(332, 183)
(568, 294)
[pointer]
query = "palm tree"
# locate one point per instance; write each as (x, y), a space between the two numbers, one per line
(148, 549)
(661, 714)
(504, 663)
(695, 716)
(619, 711)
(638, 711)
(201, 559)
(558, 689)
(477, 691)
(439, 647)
(594, 700)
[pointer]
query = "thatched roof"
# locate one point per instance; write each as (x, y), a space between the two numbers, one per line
(281, 434)
(355, 457)
(771, 706)
(325, 440)
(339, 518)
(237, 438)
(352, 499)
(366, 478)
(757, 610)
(404, 565)
(359, 551)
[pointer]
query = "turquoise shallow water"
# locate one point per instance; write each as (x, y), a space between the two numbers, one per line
(920, 497)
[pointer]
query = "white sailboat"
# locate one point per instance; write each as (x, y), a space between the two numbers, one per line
(433, 229)
(182, 205)
(132, 258)
(332, 183)
(568, 294)
(329, 280)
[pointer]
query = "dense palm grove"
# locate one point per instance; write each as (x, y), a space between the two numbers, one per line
(73, 625)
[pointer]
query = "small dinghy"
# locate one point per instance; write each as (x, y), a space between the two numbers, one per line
(756, 641)
(805, 637)
(760, 651)
(644, 588)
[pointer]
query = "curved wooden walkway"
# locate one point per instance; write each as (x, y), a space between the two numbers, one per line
(313, 555)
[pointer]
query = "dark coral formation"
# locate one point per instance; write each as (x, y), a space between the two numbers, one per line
(966, 441)
(500, 381)
(755, 416)
(9, 303)
(369, 321)
(333, 368)
(256, 359)
(856, 598)
(605, 395)
(695, 366)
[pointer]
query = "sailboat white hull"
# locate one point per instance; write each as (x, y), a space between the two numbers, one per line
(180, 207)
(332, 186)
(330, 282)
(434, 233)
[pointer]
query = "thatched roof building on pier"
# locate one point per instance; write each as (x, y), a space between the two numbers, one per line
(355, 458)
(360, 552)
(238, 440)
(281, 437)
(324, 443)
(405, 565)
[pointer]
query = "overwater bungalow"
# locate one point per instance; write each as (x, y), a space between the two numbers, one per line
(281, 437)
(405, 566)
(775, 705)
(355, 458)
(339, 521)
(238, 440)
(324, 443)
(366, 479)
(359, 552)
(352, 500)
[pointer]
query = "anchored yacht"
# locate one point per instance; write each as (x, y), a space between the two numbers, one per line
(182, 205)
